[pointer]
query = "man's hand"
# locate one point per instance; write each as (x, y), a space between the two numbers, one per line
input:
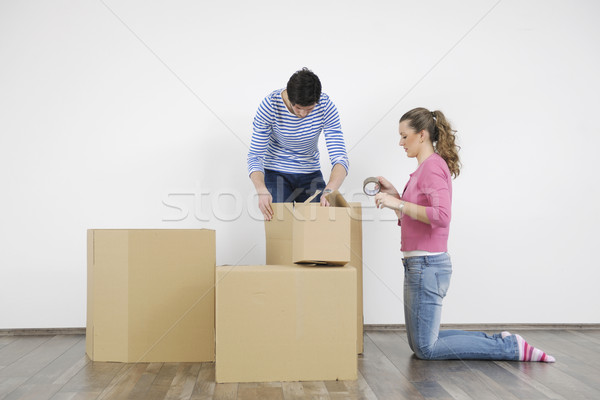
(264, 204)
(324, 201)
(264, 196)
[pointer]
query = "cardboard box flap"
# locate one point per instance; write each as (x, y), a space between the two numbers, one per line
(336, 199)
(312, 197)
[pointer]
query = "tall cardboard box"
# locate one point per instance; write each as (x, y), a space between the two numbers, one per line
(285, 323)
(356, 260)
(150, 295)
(282, 239)
(308, 233)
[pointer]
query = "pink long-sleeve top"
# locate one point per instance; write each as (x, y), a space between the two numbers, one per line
(430, 186)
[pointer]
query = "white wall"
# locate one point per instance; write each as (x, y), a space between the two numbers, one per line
(122, 114)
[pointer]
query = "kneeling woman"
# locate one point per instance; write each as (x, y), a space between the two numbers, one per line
(423, 212)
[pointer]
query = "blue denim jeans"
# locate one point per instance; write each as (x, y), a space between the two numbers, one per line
(286, 187)
(426, 281)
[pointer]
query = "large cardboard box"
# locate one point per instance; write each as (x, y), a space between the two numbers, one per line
(282, 239)
(150, 295)
(356, 260)
(309, 233)
(285, 323)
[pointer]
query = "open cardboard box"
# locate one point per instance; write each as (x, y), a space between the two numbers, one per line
(308, 233)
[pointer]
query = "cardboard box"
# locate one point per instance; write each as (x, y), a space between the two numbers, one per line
(309, 233)
(357, 262)
(280, 242)
(285, 323)
(150, 295)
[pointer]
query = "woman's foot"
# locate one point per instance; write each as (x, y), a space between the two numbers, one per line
(529, 353)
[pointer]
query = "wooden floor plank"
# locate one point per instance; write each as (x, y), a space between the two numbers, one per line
(432, 390)
(10, 384)
(34, 392)
(76, 396)
(502, 381)
(350, 389)
(225, 391)
(63, 396)
(123, 382)
(92, 378)
(39, 369)
(162, 383)
(40, 356)
(204, 388)
(184, 382)
(470, 383)
(523, 371)
(5, 340)
(20, 347)
(266, 391)
(292, 390)
(364, 390)
(589, 336)
(72, 370)
(57, 371)
(455, 390)
(383, 377)
(315, 390)
(343, 390)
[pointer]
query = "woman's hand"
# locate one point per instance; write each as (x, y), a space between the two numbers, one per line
(388, 201)
(386, 186)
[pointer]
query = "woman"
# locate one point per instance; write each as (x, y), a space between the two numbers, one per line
(424, 216)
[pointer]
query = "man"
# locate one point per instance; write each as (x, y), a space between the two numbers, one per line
(283, 161)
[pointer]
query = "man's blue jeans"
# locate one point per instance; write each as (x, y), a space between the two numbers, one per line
(426, 281)
(286, 187)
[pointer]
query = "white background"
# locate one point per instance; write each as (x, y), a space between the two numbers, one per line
(138, 114)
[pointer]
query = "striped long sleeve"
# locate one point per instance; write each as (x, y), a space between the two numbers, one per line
(283, 142)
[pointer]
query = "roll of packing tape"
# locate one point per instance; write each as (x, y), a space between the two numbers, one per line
(371, 186)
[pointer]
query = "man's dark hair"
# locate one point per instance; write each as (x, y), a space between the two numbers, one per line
(304, 88)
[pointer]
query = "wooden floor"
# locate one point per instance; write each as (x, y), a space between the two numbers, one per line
(56, 367)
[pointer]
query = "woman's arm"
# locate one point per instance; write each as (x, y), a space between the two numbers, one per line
(415, 211)
(435, 186)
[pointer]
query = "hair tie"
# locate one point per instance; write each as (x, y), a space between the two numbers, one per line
(433, 116)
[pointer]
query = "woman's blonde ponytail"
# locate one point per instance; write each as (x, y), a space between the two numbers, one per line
(446, 145)
(441, 134)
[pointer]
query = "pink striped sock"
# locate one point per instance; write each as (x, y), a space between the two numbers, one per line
(529, 353)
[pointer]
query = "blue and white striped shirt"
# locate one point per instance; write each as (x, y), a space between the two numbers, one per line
(286, 143)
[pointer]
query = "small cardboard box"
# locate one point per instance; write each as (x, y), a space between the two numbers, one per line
(150, 295)
(282, 240)
(285, 323)
(308, 233)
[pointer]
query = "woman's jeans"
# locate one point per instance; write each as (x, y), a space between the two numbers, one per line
(286, 187)
(426, 281)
